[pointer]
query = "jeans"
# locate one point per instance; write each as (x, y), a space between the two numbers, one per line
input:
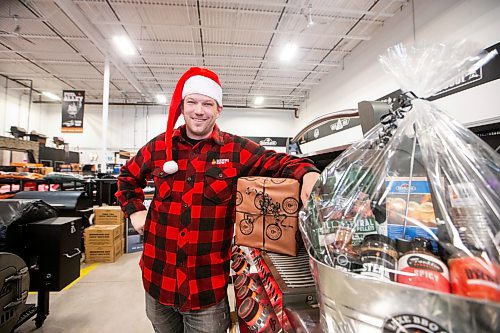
(167, 319)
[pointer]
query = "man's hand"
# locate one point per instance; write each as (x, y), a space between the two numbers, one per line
(138, 220)
(308, 182)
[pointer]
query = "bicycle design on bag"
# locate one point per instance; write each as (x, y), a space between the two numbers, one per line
(264, 203)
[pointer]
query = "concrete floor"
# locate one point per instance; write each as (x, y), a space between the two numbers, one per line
(109, 299)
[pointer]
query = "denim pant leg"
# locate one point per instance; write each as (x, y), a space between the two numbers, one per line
(165, 319)
(214, 319)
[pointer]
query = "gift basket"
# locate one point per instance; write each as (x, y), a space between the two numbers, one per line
(403, 228)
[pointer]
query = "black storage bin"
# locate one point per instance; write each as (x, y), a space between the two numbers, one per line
(15, 214)
(57, 243)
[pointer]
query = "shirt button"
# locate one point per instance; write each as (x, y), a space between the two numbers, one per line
(183, 234)
(185, 205)
(220, 175)
(189, 179)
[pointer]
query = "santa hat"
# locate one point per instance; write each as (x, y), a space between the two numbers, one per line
(195, 81)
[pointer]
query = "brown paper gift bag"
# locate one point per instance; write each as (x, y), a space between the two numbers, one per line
(267, 214)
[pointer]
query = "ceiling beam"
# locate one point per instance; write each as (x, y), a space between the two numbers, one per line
(75, 14)
(160, 80)
(237, 5)
(228, 58)
(159, 54)
(270, 31)
(82, 63)
(239, 69)
(236, 58)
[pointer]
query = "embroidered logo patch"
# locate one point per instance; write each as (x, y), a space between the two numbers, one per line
(220, 161)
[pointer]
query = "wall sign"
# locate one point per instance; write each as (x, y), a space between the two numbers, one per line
(328, 128)
(72, 111)
(487, 73)
(269, 141)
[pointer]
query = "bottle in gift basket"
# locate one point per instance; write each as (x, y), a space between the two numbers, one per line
(472, 276)
(470, 218)
(379, 257)
(347, 261)
(257, 317)
(420, 268)
(344, 257)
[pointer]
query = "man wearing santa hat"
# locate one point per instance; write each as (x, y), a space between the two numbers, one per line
(189, 226)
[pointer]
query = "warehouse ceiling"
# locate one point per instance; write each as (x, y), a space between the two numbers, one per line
(63, 44)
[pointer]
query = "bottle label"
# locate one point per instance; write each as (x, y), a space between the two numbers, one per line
(473, 277)
(379, 265)
(425, 271)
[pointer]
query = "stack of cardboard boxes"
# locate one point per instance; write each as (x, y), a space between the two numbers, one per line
(104, 241)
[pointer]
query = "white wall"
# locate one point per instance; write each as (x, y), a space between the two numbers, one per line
(256, 122)
(364, 79)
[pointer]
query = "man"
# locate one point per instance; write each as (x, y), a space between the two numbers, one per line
(189, 225)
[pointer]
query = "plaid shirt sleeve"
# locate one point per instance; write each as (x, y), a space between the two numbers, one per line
(133, 178)
(258, 161)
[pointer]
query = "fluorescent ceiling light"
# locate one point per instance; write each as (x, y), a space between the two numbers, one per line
(51, 95)
(161, 99)
(288, 52)
(259, 100)
(124, 45)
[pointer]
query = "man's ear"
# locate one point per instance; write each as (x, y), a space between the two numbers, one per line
(219, 110)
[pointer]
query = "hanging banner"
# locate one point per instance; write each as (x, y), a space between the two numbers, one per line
(72, 111)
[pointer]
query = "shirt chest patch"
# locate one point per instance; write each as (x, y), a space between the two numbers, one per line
(220, 161)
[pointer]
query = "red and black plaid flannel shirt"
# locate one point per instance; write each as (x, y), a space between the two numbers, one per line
(189, 226)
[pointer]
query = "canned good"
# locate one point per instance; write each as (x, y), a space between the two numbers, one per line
(240, 265)
(379, 257)
(420, 268)
(257, 317)
(244, 292)
(245, 280)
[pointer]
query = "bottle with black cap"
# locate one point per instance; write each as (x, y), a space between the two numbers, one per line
(379, 257)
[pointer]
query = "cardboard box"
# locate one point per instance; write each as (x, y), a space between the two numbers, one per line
(108, 215)
(75, 167)
(102, 235)
(104, 253)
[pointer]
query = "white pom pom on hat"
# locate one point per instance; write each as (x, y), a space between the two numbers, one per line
(196, 80)
(170, 167)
